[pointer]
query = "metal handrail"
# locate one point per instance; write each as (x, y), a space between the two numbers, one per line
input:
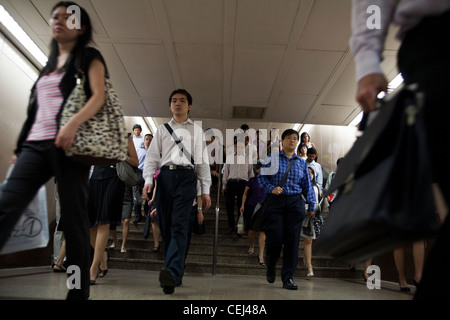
(216, 228)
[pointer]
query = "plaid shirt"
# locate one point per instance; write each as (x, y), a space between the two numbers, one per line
(297, 182)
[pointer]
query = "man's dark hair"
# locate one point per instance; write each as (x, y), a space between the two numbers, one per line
(183, 92)
(311, 151)
(289, 132)
(245, 127)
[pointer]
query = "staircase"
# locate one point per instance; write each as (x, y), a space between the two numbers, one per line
(232, 256)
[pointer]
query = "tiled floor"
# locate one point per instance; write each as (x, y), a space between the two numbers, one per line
(42, 283)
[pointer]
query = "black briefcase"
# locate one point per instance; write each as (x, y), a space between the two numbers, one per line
(384, 198)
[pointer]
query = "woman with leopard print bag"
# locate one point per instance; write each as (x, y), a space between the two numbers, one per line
(44, 139)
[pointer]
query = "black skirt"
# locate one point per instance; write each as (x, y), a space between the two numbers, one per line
(106, 200)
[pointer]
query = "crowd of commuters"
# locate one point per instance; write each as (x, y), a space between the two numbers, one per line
(93, 206)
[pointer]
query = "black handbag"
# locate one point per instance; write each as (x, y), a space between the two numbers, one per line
(384, 198)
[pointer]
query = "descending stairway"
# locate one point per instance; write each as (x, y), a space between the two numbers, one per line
(232, 256)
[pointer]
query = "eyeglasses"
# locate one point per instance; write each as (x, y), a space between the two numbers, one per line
(291, 138)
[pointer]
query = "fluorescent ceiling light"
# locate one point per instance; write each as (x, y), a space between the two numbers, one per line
(395, 83)
(357, 120)
(21, 36)
(296, 126)
(152, 124)
(18, 60)
(306, 127)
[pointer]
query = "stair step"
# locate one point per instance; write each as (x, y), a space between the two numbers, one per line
(232, 256)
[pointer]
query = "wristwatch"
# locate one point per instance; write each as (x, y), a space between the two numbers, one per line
(199, 208)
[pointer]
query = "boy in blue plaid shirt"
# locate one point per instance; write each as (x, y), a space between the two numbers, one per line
(284, 216)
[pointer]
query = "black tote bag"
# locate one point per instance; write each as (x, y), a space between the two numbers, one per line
(384, 198)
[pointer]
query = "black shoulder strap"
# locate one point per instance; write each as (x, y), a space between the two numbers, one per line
(291, 162)
(178, 142)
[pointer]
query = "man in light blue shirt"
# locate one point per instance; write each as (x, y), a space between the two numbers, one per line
(311, 155)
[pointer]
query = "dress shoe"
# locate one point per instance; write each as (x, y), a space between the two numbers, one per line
(167, 281)
(290, 285)
(270, 275)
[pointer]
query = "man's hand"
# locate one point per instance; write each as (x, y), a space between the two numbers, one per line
(368, 89)
(147, 189)
(206, 201)
(13, 160)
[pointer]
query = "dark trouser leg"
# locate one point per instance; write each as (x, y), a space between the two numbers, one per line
(73, 188)
(273, 227)
(294, 214)
(29, 174)
(177, 192)
(36, 164)
(230, 202)
(282, 223)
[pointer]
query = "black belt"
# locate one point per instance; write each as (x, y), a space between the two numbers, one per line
(236, 180)
(176, 167)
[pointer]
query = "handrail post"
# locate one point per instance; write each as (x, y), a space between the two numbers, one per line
(216, 225)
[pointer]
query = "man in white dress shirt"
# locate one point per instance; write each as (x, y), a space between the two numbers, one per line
(237, 171)
(177, 183)
(138, 140)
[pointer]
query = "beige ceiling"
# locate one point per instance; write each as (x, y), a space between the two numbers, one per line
(289, 56)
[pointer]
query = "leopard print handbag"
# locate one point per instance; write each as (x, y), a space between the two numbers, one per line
(102, 140)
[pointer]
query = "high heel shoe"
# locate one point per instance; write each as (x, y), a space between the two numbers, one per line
(310, 274)
(102, 273)
(155, 249)
(404, 289)
(262, 264)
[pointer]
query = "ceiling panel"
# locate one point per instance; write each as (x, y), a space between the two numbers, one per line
(292, 106)
(265, 21)
(207, 58)
(132, 19)
(118, 73)
(148, 68)
(196, 21)
(310, 70)
(254, 73)
(328, 26)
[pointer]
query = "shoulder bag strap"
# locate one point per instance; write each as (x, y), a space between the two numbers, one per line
(179, 143)
(269, 198)
(291, 162)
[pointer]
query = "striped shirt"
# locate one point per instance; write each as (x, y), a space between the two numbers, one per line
(297, 182)
(49, 101)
